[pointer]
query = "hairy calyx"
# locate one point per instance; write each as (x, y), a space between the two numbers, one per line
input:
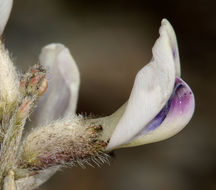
(64, 142)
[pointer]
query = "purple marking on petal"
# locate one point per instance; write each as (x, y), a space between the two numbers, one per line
(159, 117)
(178, 102)
(174, 53)
(153, 124)
(182, 98)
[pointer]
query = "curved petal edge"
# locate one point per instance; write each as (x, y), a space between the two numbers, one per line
(5, 9)
(152, 88)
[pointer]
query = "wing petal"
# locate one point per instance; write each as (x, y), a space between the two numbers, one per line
(152, 89)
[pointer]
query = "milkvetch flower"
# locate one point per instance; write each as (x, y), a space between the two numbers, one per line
(160, 105)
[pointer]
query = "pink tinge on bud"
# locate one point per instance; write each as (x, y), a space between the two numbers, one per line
(43, 87)
(24, 108)
(34, 80)
(22, 83)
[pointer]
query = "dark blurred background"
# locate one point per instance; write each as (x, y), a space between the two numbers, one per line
(111, 41)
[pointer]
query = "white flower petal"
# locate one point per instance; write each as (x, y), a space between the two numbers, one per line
(5, 9)
(61, 97)
(152, 89)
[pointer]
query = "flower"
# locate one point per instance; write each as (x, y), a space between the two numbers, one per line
(160, 105)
